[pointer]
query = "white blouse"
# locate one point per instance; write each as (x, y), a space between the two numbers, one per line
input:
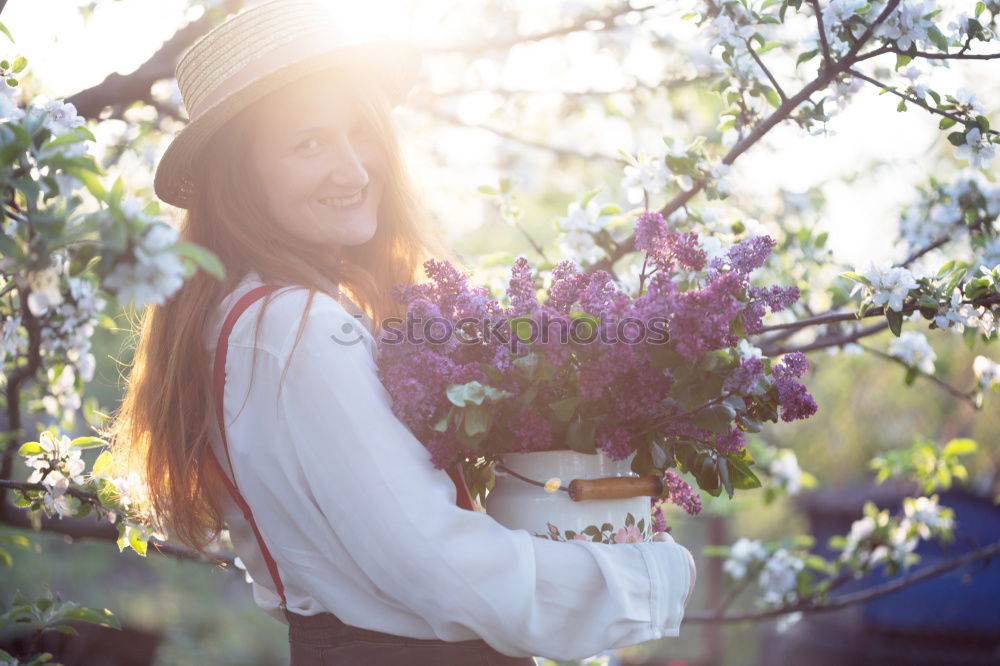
(362, 525)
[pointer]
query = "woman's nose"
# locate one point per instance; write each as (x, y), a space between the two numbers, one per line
(346, 169)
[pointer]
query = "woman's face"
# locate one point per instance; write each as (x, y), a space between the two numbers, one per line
(318, 163)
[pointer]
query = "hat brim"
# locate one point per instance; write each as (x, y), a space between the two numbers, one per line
(393, 65)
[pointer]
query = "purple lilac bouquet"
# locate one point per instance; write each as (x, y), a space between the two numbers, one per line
(590, 368)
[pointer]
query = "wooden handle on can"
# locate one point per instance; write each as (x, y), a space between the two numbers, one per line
(615, 487)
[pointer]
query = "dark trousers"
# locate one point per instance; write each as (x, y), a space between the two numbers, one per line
(323, 640)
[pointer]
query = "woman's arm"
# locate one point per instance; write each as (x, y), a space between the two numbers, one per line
(396, 515)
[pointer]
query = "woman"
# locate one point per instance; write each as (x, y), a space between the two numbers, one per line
(290, 172)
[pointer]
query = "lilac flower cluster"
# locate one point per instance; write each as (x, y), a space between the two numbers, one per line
(794, 399)
(664, 246)
(681, 493)
(618, 387)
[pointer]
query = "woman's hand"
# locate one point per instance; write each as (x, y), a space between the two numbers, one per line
(665, 536)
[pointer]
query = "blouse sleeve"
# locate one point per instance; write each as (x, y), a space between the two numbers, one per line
(396, 515)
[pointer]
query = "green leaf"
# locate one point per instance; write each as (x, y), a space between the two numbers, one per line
(856, 278)
(771, 95)
(743, 477)
(20, 62)
(30, 449)
(10, 248)
(565, 409)
(980, 8)
(442, 425)
(939, 40)
(956, 138)
(117, 191)
(101, 616)
(805, 57)
(201, 256)
(91, 181)
(88, 442)
(902, 60)
(476, 420)
(946, 123)
(716, 418)
(580, 435)
(960, 446)
(727, 482)
(895, 320)
(5, 31)
(103, 465)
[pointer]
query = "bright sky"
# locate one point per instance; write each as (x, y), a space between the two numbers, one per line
(69, 55)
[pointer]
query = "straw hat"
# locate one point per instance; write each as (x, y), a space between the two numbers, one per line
(256, 52)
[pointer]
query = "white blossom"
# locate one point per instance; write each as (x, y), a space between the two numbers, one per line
(987, 373)
(44, 291)
(786, 471)
(976, 150)
(913, 349)
(958, 315)
(861, 529)
(723, 30)
(129, 488)
(61, 117)
(58, 465)
(926, 515)
(839, 11)
(155, 275)
(581, 247)
(967, 98)
(906, 24)
(719, 173)
(890, 284)
(778, 577)
(959, 27)
(649, 176)
(11, 338)
(741, 554)
(747, 350)
(63, 399)
(586, 218)
(9, 108)
(712, 246)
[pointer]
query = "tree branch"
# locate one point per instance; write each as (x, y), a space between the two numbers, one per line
(944, 56)
(119, 91)
(81, 528)
(781, 113)
(824, 343)
(945, 386)
(561, 152)
(634, 88)
(767, 72)
(822, 33)
(874, 592)
(916, 100)
(581, 23)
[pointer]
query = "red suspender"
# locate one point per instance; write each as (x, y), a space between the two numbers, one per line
(219, 380)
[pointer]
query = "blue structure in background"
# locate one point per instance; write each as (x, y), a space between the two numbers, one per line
(951, 618)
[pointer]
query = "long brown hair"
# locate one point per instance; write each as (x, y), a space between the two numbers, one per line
(161, 429)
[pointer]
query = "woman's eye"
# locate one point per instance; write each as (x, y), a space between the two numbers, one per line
(307, 144)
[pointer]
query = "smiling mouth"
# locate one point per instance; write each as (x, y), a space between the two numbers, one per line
(346, 202)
